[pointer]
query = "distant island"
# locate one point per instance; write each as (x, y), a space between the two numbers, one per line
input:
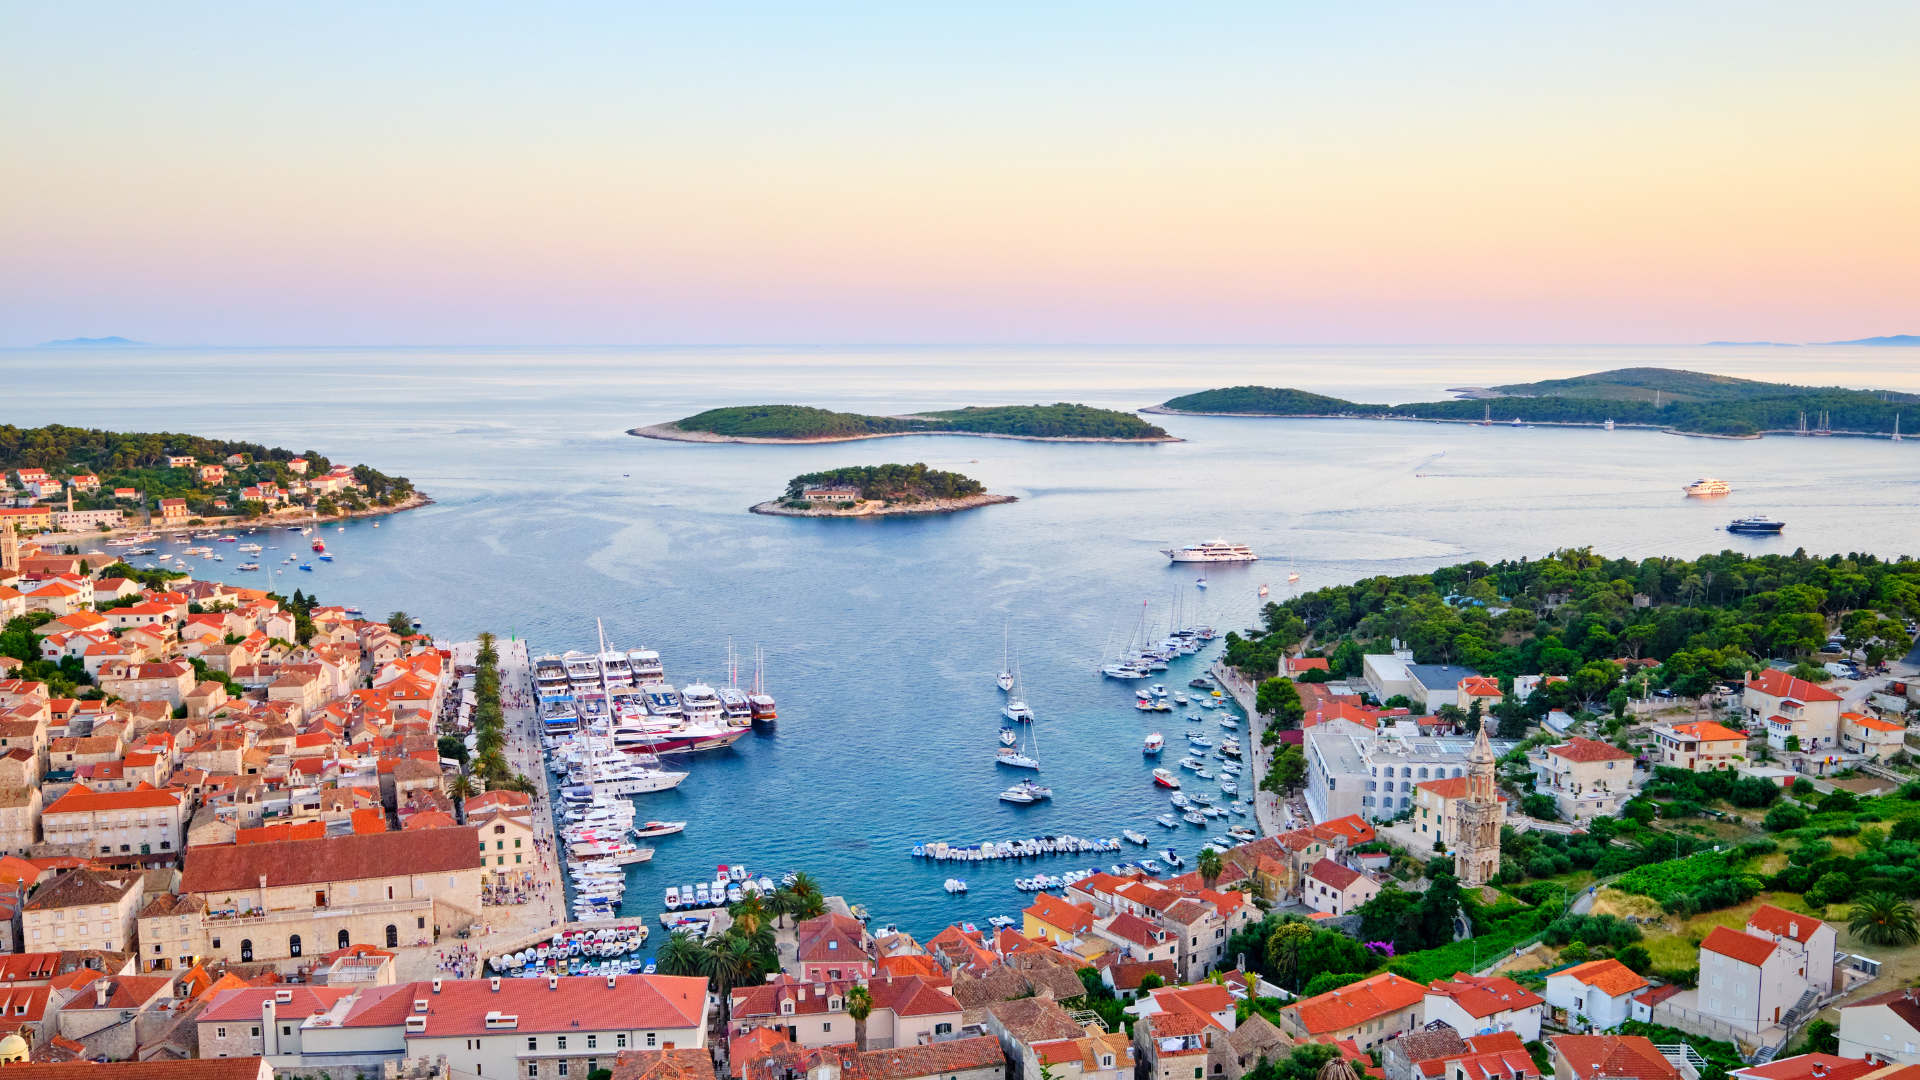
(1060, 422)
(87, 342)
(1890, 339)
(868, 490)
(1683, 402)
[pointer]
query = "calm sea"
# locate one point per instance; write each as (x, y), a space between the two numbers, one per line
(882, 637)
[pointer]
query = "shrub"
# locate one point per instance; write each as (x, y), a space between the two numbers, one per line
(1782, 818)
(1636, 957)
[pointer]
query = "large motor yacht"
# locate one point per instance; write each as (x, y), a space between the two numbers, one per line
(1707, 485)
(1215, 551)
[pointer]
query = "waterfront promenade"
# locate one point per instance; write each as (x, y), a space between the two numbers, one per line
(1267, 809)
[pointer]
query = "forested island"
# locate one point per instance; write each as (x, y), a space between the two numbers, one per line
(105, 471)
(866, 490)
(1687, 402)
(1061, 422)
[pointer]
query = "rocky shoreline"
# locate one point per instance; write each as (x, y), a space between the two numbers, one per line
(878, 508)
(670, 433)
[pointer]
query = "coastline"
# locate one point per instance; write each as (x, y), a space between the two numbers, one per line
(230, 522)
(875, 508)
(1161, 410)
(669, 433)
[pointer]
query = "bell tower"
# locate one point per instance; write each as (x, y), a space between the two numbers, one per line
(1476, 858)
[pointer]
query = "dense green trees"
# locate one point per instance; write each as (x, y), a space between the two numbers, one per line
(1280, 703)
(896, 483)
(1060, 420)
(1706, 620)
(1704, 404)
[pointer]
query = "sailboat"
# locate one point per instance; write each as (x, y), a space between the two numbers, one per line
(1016, 706)
(1263, 589)
(1201, 581)
(1292, 574)
(1022, 757)
(1006, 676)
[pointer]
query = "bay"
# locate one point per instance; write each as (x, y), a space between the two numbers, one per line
(882, 637)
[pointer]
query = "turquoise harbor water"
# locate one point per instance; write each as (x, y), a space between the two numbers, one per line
(882, 637)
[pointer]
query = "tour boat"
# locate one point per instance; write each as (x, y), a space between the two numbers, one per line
(1155, 743)
(1166, 779)
(1216, 551)
(1761, 524)
(758, 699)
(1707, 485)
(229, 539)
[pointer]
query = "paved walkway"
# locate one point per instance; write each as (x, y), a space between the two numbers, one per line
(1266, 806)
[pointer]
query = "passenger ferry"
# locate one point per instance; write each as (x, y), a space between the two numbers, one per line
(1216, 551)
(1756, 525)
(1707, 485)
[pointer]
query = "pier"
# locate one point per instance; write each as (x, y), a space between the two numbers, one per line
(1267, 810)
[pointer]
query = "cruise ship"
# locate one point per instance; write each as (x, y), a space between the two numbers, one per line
(1707, 485)
(1216, 551)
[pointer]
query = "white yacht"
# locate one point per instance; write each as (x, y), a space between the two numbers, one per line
(1025, 792)
(645, 666)
(583, 671)
(1707, 485)
(1216, 551)
(614, 666)
(700, 705)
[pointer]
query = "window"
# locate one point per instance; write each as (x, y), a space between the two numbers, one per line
(533, 1043)
(246, 950)
(254, 1031)
(219, 1033)
(393, 936)
(593, 1066)
(563, 1068)
(562, 1042)
(286, 1029)
(593, 1043)
(216, 943)
(943, 1029)
(620, 1041)
(533, 1068)
(293, 945)
(649, 1040)
(343, 939)
(421, 923)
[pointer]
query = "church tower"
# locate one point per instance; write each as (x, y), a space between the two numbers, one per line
(1476, 857)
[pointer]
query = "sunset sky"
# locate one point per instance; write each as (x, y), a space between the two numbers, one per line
(560, 173)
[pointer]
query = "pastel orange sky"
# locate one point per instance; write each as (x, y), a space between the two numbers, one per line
(947, 172)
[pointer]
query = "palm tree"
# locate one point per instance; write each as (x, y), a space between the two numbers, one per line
(1283, 947)
(811, 906)
(749, 915)
(683, 954)
(859, 1006)
(804, 885)
(492, 766)
(730, 964)
(782, 904)
(1883, 918)
(461, 789)
(1210, 866)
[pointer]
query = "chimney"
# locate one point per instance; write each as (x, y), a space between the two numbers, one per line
(495, 981)
(436, 986)
(269, 1031)
(610, 982)
(102, 990)
(553, 982)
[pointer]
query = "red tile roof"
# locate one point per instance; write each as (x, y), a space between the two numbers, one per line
(1745, 948)
(235, 1068)
(1482, 997)
(1708, 731)
(1579, 749)
(1811, 1067)
(1593, 1056)
(1061, 915)
(1333, 874)
(1774, 920)
(1358, 1003)
(299, 862)
(1776, 683)
(1610, 977)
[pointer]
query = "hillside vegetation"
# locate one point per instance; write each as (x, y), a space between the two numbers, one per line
(1689, 401)
(1060, 420)
(139, 460)
(894, 483)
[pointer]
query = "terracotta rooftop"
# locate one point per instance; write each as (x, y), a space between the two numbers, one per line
(1579, 749)
(1610, 977)
(1358, 1003)
(1745, 948)
(298, 862)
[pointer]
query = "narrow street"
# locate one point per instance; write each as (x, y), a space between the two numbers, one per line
(1267, 810)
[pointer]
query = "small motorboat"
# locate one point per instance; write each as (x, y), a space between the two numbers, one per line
(1165, 778)
(1180, 800)
(659, 828)
(1138, 838)
(1201, 581)
(1173, 858)
(308, 567)
(1194, 818)
(1168, 820)
(1155, 743)
(1158, 690)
